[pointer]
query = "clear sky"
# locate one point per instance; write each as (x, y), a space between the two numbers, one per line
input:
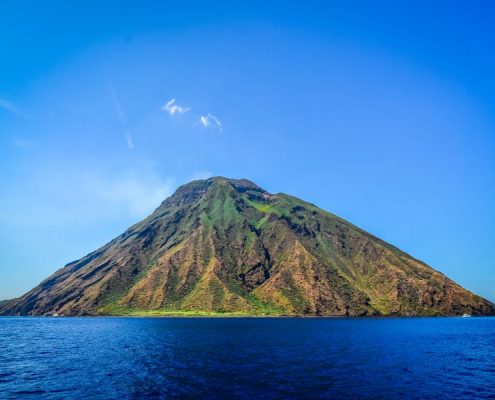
(382, 112)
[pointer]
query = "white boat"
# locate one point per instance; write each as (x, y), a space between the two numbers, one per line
(466, 315)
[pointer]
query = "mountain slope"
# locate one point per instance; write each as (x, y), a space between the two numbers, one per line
(228, 246)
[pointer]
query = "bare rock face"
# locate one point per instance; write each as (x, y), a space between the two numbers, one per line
(222, 245)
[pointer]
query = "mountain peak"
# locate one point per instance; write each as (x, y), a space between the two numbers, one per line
(227, 246)
(196, 189)
(242, 184)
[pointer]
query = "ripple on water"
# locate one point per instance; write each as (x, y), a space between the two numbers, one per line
(126, 358)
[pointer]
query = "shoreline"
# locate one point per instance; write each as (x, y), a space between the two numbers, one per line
(254, 316)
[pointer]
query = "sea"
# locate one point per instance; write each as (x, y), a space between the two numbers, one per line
(247, 358)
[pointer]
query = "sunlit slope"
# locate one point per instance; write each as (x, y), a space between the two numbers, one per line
(228, 246)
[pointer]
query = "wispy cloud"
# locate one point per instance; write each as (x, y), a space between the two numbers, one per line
(122, 117)
(128, 139)
(74, 196)
(173, 108)
(11, 108)
(200, 175)
(207, 120)
(136, 195)
(211, 120)
(19, 142)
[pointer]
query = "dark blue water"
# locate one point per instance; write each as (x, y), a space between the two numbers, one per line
(212, 358)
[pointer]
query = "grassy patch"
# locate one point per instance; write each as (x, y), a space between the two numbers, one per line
(116, 310)
(263, 308)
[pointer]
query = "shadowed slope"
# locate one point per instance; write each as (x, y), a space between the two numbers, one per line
(228, 246)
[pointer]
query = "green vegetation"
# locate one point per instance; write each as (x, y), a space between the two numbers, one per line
(223, 247)
(262, 207)
(115, 310)
(264, 308)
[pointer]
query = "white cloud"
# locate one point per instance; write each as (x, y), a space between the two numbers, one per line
(11, 108)
(204, 120)
(173, 108)
(209, 119)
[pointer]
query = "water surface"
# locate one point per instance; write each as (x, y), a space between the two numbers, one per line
(247, 358)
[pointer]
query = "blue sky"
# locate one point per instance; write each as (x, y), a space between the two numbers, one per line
(381, 112)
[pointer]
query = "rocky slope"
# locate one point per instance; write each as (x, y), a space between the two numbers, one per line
(228, 246)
